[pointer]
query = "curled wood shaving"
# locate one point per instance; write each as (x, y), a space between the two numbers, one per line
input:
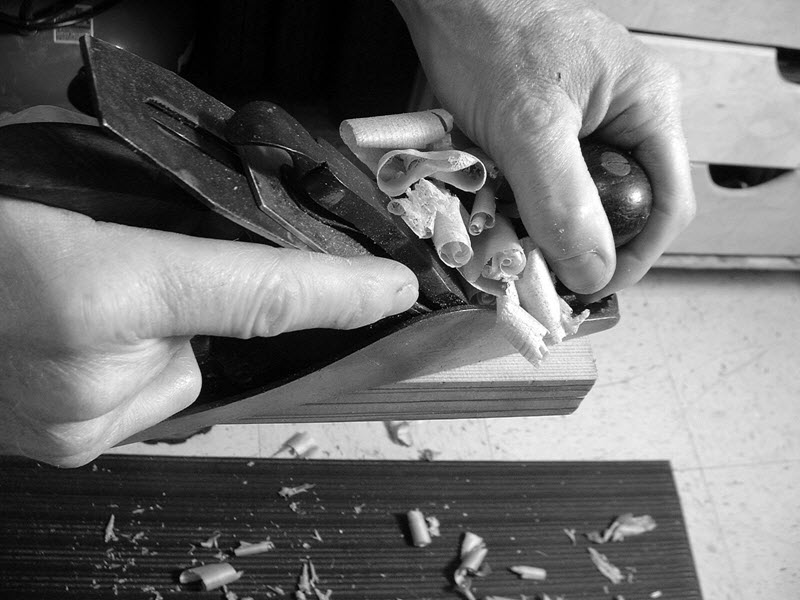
(623, 526)
(420, 536)
(473, 553)
(211, 576)
(301, 445)
(248, 549)
(399, 432)
(433, 526)
(519, 327)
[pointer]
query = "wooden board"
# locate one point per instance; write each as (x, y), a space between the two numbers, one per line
(755, 221)
(446, 341)
(737, 109)
(765, 22)
(351, 525)
(497, 387)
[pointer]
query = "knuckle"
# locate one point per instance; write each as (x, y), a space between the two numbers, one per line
(274, 307)
(534, 114)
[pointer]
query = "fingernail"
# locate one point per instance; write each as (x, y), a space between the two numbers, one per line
(583, 274)
(404, 299)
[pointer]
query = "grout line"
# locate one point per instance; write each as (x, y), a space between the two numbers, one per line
(488, 437)
(695, 451)
(760, 463)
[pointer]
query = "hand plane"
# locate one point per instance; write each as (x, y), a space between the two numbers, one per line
(255, 175)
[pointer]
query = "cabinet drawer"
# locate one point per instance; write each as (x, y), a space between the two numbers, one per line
(761, 220)
(737, 109)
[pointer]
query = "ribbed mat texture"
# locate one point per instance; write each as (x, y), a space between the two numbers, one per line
(351, 524)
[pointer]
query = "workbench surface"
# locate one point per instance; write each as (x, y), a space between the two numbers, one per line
(351, 525)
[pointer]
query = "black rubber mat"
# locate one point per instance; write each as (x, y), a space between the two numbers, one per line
(351, 524)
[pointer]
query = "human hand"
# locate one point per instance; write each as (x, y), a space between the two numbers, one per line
(95, 320)
(525, 80)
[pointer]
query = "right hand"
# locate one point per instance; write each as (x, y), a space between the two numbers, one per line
(95, 320)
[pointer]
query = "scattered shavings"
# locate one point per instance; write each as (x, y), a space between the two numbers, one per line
(288, 492)
(109, 534)
(605, 567)
(623, 526)
(307, 582)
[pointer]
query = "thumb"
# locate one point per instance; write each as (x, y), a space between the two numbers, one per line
(235, 289)
(557, 199)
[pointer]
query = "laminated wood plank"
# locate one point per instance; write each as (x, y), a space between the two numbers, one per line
(753, 221)
(768, 22)
(496, 387)
(737, 109)
(495, 382)
(351, 525)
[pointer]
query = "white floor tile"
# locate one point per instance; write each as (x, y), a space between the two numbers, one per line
(221, 440)
(758, 508)
(446, 440)
(731, 346)
(718, 578)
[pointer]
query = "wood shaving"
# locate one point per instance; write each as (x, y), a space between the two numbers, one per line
(212, 541)
(569, 320)
(109, 535)
(473, 552)
(483, 211)
(527, 572)
(519, 327)
(570, 533)
(427, 454)
(434, 527)
(400, 432)
(301, 445)
(537, 293)
(211, 576)
(248, 549)
(420, 536)
(623, 526)
(601, 562)
(288, 492)
(307, 582)
(398, 170)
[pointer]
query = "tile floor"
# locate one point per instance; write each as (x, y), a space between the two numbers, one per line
(701, 371)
